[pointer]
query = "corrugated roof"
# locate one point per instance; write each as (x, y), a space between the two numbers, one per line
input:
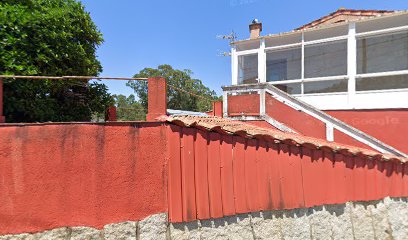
(226, 126)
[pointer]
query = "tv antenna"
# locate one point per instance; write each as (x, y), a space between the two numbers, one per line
(231, 37)
(223, 54)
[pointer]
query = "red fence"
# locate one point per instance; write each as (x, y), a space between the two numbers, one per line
(213, 175)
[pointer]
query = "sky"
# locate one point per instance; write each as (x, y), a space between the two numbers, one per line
(182, 33)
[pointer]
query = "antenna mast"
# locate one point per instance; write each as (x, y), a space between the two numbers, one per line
(231, 37)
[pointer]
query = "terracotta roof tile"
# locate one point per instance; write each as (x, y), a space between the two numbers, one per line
(226, 126)
(345, 12)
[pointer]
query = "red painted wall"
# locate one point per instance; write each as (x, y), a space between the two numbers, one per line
(247, 104)
(389, 126)
(80, 175)
(55, 175)
(216, 109)
(213, 175)
(298, 121)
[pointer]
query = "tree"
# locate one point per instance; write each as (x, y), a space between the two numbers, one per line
(200, 99)
(52, 38)
(128, 109)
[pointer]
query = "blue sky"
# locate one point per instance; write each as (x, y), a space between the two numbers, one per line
(182, 33)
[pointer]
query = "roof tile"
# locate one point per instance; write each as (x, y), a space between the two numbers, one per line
(226, 126)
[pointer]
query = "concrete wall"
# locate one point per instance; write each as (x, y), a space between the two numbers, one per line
(384, 219)
(61, 175)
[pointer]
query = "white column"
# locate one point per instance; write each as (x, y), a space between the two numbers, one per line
(351, 63)
(302, 74)
(225, 104)
(262, 61)
(262, 109)
(329, 132)
(234, 65)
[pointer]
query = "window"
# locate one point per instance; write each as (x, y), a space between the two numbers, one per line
(382, 83)
(291, 88)
(326, 86)
(382, 53)
(326, 59)
(248, 69)
(283, 65)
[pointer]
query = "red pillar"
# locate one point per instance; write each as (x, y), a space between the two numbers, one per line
(2, 117)
(217, 108)
(111, 114)
(157, 98)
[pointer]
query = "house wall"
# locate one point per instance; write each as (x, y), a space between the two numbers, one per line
(299, 121)
(67, 175)
(247, 104)
(389, 126)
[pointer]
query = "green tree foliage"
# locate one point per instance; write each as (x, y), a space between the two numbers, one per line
(128, 108)
(176, 99)
(52, 38)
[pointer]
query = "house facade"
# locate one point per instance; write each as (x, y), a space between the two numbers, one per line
(349, 59)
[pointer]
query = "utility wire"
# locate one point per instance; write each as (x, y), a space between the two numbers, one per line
(191, 93)
(69, 77)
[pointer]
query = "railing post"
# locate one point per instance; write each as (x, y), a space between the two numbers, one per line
(157, 98)
(2, 117)
(225, 104)
(262, 108)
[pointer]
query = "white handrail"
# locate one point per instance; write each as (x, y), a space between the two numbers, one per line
(382, 74)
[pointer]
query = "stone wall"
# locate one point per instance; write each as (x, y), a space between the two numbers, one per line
(385, 219)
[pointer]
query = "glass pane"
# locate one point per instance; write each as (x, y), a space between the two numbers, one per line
(326, 59)
(247, 69)
(326, 86)
(381, 83)
(292, 88)
(283, 65)
(382, 53)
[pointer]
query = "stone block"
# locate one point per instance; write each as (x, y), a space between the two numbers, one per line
(232, 227)
(267, 225)
(362, 221)
(184, 231)
(398, 217)
(153, 227)
(295, 224)
(120, 231)
(86, 233)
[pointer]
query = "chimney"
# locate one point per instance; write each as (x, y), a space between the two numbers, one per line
(255, 29)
